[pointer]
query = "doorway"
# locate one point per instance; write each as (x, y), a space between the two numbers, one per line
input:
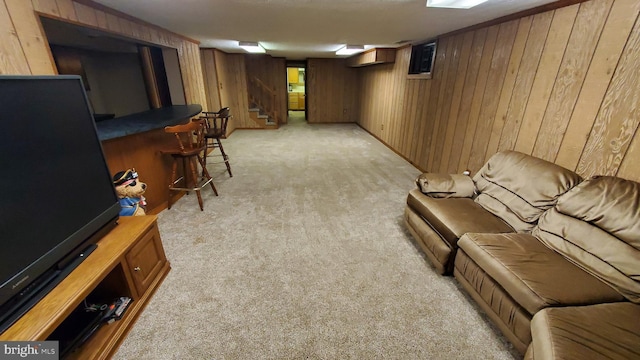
(296, 91)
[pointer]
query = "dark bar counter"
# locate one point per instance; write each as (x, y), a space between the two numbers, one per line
(138, 140)
(145, 121)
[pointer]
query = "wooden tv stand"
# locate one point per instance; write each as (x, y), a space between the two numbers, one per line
(129, 261)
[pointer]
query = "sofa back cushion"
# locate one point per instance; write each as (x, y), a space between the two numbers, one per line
(518, 188)
(596, 225)
(609, 203)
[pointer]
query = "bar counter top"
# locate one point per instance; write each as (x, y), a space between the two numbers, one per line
(145, 121)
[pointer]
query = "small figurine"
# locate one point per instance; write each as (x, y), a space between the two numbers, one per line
(129, 190)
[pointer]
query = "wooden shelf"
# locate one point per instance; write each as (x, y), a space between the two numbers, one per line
(372, 57)
(106, 271)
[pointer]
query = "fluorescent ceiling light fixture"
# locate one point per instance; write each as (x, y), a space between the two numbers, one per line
(454, 4)
(350, 49)
(252, 47)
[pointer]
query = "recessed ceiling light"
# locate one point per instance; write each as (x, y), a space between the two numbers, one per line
(454, 4)
(350, 49)
(252, 47)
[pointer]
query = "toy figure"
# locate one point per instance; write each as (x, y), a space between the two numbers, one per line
(129, 190)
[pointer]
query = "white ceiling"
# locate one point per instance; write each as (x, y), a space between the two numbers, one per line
(299, 29)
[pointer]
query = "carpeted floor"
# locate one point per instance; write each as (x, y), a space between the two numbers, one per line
(304, 256)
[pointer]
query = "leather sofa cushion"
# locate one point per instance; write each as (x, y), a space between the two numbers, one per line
(453, 217)
(535, 276)
(596, 251)
(518, 188)
(610, 203)
(509, 316)
(436, 249)
(502, 211)
(596, 225)
(446, 185)
(605, 331)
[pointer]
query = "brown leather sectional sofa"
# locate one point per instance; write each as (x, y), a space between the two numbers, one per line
(553, 260)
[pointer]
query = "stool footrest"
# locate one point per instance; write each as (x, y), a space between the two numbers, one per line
(201, 184)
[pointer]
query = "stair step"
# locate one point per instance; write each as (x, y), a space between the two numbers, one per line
(261, 116)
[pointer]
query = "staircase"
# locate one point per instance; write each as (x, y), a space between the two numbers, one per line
(257, 114)
(262, 100)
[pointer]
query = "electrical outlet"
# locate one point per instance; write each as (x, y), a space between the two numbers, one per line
(382, 127)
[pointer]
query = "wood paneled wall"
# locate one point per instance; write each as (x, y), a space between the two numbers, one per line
(563, 85)
(210, 74)
(25, 50)
(227, 86)
(331, 91)
(273, 72)
(331, 86)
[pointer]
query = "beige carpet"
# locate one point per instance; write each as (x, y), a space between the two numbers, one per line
(304, 256)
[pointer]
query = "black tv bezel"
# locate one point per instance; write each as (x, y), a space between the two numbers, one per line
(56, 262)
(417, 57)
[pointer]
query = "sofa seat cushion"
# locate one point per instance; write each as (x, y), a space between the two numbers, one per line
(453, 217)
(535, 276)
(605, 331)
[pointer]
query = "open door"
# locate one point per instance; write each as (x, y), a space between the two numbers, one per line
(296, 90)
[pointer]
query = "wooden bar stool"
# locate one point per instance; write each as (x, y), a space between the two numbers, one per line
(216, 129)
(190, 143)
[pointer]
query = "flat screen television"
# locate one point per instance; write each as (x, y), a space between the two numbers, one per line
(56, 193)
(423, 57)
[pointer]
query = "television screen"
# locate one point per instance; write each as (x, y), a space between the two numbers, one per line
(422, 58)
(55, 190)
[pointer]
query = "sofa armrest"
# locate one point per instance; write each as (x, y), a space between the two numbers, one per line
(446, 185)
